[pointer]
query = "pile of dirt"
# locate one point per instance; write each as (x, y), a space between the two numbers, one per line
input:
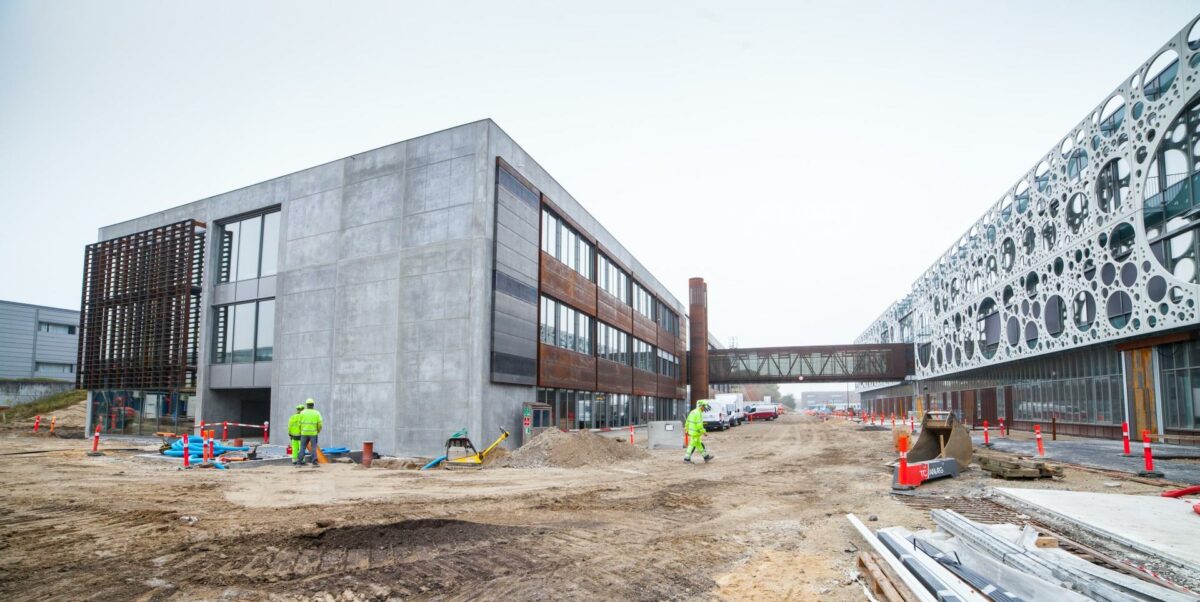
(571, 450)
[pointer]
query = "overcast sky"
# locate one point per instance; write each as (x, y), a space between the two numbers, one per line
(809, 160)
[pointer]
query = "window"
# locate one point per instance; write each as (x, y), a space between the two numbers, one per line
(249, 248)
(1180, 367)
(56, 328)
(565, 327)
(51, 368)
(566, 245)
(643, 356)
(666, 318)
(244, 332)
(643, 302)
(668, 364)
(612, 344)
(612, 279)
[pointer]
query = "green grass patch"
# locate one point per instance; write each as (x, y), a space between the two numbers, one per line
(45, 405)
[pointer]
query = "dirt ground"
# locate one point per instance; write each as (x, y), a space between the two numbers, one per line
(763, 521)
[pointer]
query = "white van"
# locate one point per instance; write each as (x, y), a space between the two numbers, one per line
(716, 418)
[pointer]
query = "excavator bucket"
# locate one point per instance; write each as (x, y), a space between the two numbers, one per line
(942, 436)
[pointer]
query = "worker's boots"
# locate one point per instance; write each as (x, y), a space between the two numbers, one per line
(688, 459)
(707, 457)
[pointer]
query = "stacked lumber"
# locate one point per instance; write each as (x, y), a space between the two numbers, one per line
(880, 580)
(1007, 467)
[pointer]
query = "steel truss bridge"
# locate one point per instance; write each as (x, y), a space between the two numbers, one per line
(817, 364)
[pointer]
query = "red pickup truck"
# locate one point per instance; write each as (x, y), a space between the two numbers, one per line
(764, 411)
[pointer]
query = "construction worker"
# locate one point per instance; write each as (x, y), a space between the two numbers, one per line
(310, 427)
(294, 433)
(695, 431)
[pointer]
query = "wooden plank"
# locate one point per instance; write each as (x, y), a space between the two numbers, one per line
(880, 584)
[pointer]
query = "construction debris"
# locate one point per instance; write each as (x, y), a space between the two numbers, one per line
(1006, 467)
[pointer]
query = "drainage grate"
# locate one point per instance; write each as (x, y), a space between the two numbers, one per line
(978, 509)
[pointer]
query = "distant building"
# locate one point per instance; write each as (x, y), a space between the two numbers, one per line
(37, 341)
(817, 399)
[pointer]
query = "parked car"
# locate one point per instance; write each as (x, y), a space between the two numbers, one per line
(736, 414)
(716, 418)
(762, 411)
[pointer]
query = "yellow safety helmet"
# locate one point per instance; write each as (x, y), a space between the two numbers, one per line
(309, 402)
(300, 407)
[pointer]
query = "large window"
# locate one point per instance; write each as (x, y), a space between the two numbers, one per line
(612, 279)
(56, 328)
(668, 364)
(588, 410)
(643, 356)
(249, 248)
(566, 327)
(1082, 387)
(666, 318)
(1180, 367)
(643, 301)
(1171, 195)
(53, 368)
(566, 245)
(244, 332)
(612, 344)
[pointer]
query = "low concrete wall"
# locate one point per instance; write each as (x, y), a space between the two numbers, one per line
(16, 392)
(665, 435)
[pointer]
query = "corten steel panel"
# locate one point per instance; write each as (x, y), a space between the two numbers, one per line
(614, 311)
(140, 310)
(830, 363)
(645, 383)
(645, 329)
(698, 335)
(566, 285)
(613, 377)
(663, 339)
(666, 386)
(967, 401)
(987, 403)
(563, 369)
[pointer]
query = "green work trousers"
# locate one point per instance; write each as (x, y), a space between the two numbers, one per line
(295, 450)
(695, 443)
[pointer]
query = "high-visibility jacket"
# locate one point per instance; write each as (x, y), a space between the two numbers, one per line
(695, 422)
(294, 426)
(310, 422)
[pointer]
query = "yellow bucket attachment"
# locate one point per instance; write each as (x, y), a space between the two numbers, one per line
(942, 436)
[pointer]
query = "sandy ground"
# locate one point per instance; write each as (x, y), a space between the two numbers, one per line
(763, 521)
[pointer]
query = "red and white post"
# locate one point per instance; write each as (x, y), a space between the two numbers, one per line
(96, 443)
(1037, 430)
(266, 432)
(912, 425)
(631, 434)
(1003, 433)
(986, 441)
(37, 422)
(1125, 437)
(1149, 458)
(225, 431)
(187, 460)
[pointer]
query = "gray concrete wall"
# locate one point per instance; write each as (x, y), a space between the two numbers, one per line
(16, 392)
(22, 345)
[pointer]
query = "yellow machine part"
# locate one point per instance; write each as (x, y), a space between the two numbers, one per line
(476, 460)
(942, 436)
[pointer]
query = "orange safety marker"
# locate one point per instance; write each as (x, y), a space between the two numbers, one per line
(893, 421)
(1149, 458)
(986, 442)
(37, 422)
(53, 419)
(1037, 430)
(903, 477)
(225, 431)
(1002, 431)
(187, 461)
(96, 443)
(266, 432)
(912, 425)
(1125, 437)
(631, 434)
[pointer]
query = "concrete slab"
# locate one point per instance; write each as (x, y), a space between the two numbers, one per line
(1166, 528)
(1106, 454)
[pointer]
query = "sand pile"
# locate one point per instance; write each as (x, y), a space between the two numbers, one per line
(572, 450)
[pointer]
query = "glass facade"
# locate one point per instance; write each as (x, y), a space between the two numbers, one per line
(56, 328)
(668, 364)
(566, 245)
(1179, 369)
(643, 356)
(572, 410)
(612, 344)
(566, 327)
(248, 248)
(643, 301)
(142, 412)
(666, 318)
(612, 279)
(244, 332)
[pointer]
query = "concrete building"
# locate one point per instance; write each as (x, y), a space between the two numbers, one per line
(1074, 298)
(37, 341)
(412, 290)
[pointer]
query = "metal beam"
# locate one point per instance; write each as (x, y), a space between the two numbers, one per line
(829, 363)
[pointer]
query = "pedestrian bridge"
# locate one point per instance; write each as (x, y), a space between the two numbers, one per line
(815, 364)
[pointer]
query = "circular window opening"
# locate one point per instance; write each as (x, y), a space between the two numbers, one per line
(1077, 212)
(1008, 254)
(1112, 116)
(923, 354)
(1157, 288)
(1112, 185)
(1006, 207)
(1058, 266)
(1049, 236)
(1120, 243)
(1029, 240)
(1076, 163)
(1170, 199)
(1056, 316)
(1031, 334)
(987, 323)
(1041, 177)
(1193, 39)
(1120, 308)
(1161, 74)
(969, 349)
(1084, 310)
(1031, 284)
(1013, 331)
(1128, 274)
(1108, 273)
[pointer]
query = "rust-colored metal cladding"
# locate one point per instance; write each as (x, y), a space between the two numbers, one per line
(645, 383)
(614, 311)
(698, 332)
(613, 377)
(567, 285)
(645, 329)
(140, 310)
(562, 368)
